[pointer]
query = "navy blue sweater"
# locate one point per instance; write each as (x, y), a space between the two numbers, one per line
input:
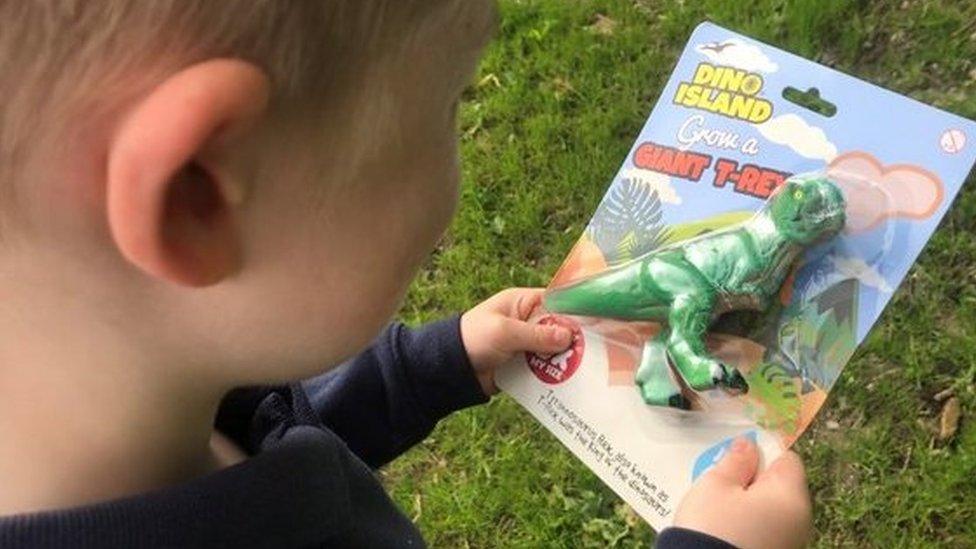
(313, 446)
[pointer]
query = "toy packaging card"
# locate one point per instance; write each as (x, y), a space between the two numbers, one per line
(752, 237)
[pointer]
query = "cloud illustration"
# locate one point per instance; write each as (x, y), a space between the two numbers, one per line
(875, 192)
(657, 182)
(736, 53)
(794, 132)
(855, 267)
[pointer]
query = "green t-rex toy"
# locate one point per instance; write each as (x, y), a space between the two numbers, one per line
(691, 283)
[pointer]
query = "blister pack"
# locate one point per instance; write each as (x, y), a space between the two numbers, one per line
(759, 226)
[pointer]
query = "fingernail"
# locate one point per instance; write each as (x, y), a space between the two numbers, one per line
(560, 336)
(740, 444)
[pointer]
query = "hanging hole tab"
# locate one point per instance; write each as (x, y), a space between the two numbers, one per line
(810, 100)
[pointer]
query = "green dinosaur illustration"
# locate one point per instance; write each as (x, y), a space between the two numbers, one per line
(690, 283)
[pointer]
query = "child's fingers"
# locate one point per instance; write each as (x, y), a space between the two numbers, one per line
(739, 465)
(785, 482)
(519, 302)
(530, 301)
(787, 471)
(536, 338)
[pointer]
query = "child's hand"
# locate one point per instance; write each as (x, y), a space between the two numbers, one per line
(734, 503)
(496, 330)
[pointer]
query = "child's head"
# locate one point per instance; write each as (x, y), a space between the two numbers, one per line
(230, 186)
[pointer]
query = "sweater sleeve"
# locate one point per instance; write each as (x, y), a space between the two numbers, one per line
(391, 396)
(682, 538)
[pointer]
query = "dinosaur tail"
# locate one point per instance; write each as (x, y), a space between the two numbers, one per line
(616, 293)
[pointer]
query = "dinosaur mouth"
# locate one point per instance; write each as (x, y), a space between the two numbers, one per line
(820, 221)
(826, 209)
(824, 215)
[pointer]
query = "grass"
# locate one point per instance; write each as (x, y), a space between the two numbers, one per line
(554, 109)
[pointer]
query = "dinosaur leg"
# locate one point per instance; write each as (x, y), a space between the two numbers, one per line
(654, 380)
(689, 318)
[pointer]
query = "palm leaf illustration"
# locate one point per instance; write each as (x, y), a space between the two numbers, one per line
(627, 223)
(776, 387)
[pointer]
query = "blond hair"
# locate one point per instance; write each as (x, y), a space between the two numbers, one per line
(55, 53)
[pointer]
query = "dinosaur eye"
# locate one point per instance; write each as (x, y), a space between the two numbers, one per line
(798, 194)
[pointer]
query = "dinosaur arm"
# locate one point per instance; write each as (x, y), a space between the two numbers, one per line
(727, 259)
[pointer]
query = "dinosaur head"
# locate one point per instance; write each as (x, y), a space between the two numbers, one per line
(808, 210)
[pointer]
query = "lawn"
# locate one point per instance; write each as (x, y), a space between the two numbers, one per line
(556, 104)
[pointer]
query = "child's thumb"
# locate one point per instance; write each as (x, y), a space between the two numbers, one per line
(538, 338)
(787, 470)
(739, 465)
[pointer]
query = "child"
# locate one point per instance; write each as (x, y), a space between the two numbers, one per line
(203, 201)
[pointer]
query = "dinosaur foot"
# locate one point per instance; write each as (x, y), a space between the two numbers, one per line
(665, 396)
(656, 381)
(679, 401)
(732, 380)
(703, 374)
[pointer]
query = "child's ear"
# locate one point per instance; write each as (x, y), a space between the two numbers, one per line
(169, 212)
